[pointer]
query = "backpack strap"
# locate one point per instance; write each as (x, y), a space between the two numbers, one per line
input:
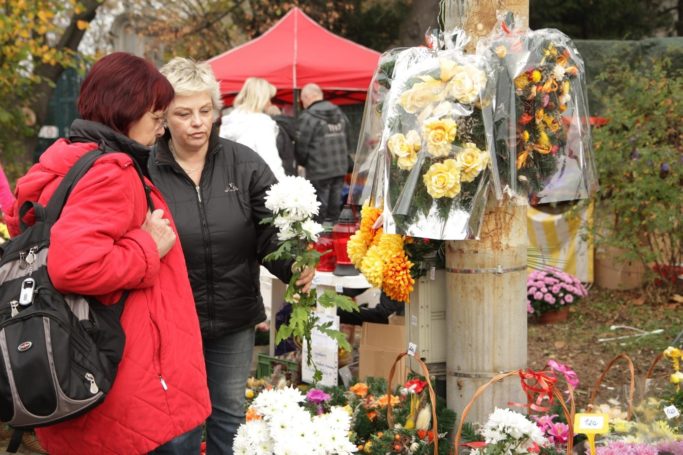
(58, 200)
(38, 210)
(15, 441)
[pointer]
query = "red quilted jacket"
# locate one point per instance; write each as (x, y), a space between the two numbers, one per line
(97, 248)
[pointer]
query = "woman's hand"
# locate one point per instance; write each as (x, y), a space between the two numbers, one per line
(306, 279)
(160, 229)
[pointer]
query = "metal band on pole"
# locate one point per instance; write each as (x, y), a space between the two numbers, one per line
(496, 270)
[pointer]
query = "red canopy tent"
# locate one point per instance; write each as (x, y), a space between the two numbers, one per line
(293, 53)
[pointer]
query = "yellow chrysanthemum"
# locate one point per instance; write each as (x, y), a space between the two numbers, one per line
(397, 283)
(357, 247)
(372, 266)
(442, 179)
(368, 217)
(521, 82)
(377, 237)
(439, 134)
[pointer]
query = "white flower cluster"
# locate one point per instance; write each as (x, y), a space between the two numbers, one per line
(293, 203)
(285, 428)
(511, 433)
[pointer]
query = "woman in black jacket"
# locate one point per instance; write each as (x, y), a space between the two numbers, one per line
(215, 189)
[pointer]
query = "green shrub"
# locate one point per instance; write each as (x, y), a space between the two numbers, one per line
(639, 155)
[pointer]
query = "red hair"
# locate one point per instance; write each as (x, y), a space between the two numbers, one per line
(120, 88)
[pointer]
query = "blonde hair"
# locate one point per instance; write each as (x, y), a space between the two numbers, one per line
(255, 94)
(189, 77)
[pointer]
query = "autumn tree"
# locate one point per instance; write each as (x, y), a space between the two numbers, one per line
(205, 28)
(38, 40)
(609, 19)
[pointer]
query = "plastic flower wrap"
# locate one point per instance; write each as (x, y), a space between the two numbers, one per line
(541, 121)
(367, 179)
(293, 204)
(436, 144)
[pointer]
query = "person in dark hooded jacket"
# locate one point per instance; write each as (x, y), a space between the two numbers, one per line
(323, 147)
(285, 138)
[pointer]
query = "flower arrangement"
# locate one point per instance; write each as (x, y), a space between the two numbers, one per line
(543, 93)
(509, 432)
(412, 432)
(390, 262)
(280, 425)
(543, 141)
(293, 204)
(551, 289)
(435, 136)
(674, 354)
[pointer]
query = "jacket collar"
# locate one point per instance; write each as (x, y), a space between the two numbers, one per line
(109, 140)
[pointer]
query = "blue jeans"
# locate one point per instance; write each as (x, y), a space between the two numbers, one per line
(186, 443)
(228, 361)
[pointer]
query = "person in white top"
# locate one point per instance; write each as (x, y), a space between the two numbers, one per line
(249, 125)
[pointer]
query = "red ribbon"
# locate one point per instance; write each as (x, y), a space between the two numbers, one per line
(537, 386)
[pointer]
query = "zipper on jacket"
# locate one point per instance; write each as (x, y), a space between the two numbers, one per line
(206, 240)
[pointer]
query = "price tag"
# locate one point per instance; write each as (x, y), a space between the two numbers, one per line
(597, 423)
(412, 349)
(338, 288)
(671, 412)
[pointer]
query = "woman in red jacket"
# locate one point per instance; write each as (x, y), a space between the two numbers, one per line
(105, 242)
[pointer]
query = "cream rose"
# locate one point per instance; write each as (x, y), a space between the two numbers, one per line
(447, 68)
(422, 94)
(439, 134)
(407, 162)
(442, 179)
(469, 161)
(398, 145)
(466, 84)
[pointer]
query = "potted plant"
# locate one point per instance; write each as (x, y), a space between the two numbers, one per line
(638, 153)
(550, 291)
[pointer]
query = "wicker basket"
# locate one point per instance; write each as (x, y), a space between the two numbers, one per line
(632, 383)
(432, 396)
(568, 412)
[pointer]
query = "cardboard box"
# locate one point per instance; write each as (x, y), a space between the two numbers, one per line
(379, 346)
(613, 273)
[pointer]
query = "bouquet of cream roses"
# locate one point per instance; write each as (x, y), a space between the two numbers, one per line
(293, 203)
(437, 143)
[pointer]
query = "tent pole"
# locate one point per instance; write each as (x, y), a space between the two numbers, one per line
(297, 94)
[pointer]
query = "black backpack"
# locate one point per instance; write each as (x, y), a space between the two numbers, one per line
(58, 353)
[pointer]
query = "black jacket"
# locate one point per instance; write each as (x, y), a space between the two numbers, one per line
(285, 142)
(219, 228)
(323, 143)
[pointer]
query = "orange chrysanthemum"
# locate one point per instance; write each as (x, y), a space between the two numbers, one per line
(397, 283)
(384, 400)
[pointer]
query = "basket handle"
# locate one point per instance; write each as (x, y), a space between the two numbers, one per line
(632, 385)
(432, 397)
(568, 413)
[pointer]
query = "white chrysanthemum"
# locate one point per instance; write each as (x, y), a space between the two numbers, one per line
(311, 229)
(270, 402)
(512, 431)
(253, 438)
(294, 196)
